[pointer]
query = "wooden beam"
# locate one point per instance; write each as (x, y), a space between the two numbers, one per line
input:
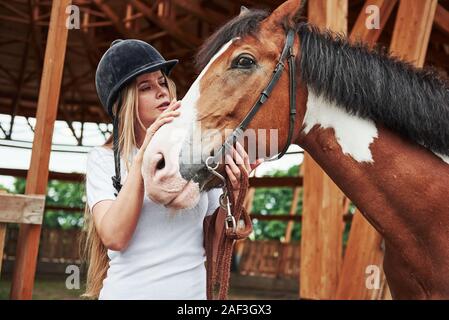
(19, 173)
(442, 19)
(19, 208)
(321, 241)
(179, 35)
(270, 182)
(28, 242)
(412, 30)
(212, 17)
(116, 20)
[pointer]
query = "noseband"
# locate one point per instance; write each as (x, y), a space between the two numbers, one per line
(287, 54)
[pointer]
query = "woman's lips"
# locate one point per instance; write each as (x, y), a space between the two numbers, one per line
(163, 106)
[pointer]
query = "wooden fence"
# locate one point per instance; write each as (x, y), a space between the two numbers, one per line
(56, 245)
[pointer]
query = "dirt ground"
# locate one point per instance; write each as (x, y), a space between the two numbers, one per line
(51, 288)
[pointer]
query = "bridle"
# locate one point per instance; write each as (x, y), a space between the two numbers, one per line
(287, 54)
(218, 271)
(212, 162)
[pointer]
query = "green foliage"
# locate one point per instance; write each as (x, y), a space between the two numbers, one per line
(276, 201)
(60, 194)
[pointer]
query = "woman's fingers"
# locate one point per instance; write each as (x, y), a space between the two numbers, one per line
(243, 156)
(231, 164)
(173, 113)
(232, 178)
(174, 104)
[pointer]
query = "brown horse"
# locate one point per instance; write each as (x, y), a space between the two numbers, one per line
(377, 126)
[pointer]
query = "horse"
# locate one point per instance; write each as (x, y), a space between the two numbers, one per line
(376, 125)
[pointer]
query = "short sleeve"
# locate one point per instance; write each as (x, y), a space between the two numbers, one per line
(213, 198)
(99, 170)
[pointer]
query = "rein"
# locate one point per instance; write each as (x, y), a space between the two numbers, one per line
(221, 229)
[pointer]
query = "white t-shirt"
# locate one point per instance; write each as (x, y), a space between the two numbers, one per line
(165, 256)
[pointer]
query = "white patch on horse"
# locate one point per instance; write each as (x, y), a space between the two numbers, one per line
(193, 94)
(190, 100)
(353, 133)
(442, 156)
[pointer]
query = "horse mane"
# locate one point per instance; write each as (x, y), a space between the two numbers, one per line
(239, 26)
(365, 82)
(372, 84)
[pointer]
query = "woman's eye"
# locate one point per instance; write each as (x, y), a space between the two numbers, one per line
(244, 62)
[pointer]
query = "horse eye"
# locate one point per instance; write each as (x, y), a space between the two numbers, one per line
(243, 62)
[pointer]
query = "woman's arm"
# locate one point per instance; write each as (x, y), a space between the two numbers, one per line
(116, 220)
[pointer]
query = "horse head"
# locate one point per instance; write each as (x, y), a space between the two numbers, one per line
(237, 63)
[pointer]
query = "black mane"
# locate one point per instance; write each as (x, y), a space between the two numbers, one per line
(366, 82)
(371, 84)
(240, 26)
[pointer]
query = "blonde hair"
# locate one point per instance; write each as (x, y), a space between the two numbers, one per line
(94, 253)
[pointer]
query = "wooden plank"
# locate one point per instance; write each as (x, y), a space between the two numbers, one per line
(363, 249)
(412, 30)
(296, 218)
(442, 19)
(187, 39)
(212, 17)
(19, 173)
(321, 242)
(116, 20)
(28, 242)
(18, 208)
(270, 182)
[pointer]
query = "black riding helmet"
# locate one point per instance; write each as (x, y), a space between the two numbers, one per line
(120, 64)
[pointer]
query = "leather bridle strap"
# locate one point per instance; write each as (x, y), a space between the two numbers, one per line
(116, 180)
(287, 54)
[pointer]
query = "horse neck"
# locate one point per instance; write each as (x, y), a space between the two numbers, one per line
(384, 174)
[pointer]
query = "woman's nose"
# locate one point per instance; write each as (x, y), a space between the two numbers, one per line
(162, 92)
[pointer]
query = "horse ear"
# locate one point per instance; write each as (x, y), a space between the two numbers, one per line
(243, 10)
(290, 13)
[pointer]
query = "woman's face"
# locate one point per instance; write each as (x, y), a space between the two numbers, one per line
(153, 95)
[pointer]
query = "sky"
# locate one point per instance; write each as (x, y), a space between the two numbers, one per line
(19, 156)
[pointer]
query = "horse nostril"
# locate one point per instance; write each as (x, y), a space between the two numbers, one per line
(160, 164)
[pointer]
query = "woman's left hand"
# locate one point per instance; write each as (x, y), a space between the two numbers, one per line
(239, 157)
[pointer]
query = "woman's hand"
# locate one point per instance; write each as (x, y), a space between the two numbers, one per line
(165, 117)
(239, 157)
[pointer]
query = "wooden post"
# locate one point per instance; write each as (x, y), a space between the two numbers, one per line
(412, 30)
(321, 242)
(410, 39)
(28, 242)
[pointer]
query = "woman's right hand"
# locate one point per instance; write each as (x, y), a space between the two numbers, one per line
(165, 117)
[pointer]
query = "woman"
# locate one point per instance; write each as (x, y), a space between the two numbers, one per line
(135, 248)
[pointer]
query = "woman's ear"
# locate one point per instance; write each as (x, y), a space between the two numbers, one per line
(290, 13)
